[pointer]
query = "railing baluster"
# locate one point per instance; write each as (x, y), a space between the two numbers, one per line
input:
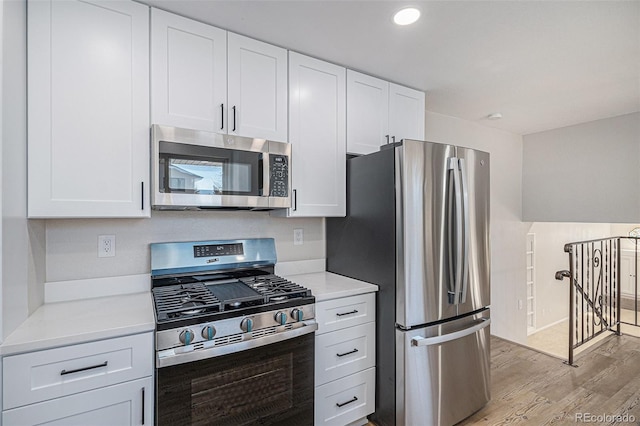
(595, 289)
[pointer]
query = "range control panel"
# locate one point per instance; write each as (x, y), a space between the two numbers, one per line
(213, 250)
(279, 166)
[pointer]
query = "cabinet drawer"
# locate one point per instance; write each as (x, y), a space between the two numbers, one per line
(52, 373)
(345, 352)
(345, 312)
(129, 403)
(346, 400)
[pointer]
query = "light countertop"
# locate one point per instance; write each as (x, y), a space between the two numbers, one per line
(79, 321)
(326, 285)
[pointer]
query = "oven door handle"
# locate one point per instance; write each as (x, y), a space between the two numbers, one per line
(170, 357)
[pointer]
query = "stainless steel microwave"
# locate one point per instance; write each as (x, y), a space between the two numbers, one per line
(195, 170)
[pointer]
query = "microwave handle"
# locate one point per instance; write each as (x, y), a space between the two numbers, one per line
(266, 174)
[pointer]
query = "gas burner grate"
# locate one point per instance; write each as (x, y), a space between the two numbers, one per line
(183, 300)
(275, 288)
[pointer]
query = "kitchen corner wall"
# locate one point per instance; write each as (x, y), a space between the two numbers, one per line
(22, 240)
(508, 232)
(72, 244)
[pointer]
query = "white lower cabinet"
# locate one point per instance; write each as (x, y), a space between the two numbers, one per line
(345, 360)
(129, 403)
(105, 382)
(346, 400)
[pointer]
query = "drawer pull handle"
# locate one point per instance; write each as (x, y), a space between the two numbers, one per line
(348, 353)
(63, 372)
(355, 398)
(355, 311)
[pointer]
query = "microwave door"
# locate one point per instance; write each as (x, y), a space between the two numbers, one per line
(195, 170)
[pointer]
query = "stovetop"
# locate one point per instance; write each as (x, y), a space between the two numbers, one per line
(199, 298)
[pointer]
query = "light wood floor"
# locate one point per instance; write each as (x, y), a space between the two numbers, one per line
(534, 388)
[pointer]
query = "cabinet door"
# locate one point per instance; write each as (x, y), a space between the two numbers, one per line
(188, 73)
(129, 403)
(367, 113)
(257, 89)
(317, 132)
(88, 109)
(406, 113)
(627, 274)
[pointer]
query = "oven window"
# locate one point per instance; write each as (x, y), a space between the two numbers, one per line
(268, 385)
(209, 171)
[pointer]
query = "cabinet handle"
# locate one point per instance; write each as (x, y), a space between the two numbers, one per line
(142, 405)
(234, 118)
(142, 195)
(347, 353)
(354, 399)
(77, 370)
(295, 200)
(341, 314)
(387, 136)
(221, 116)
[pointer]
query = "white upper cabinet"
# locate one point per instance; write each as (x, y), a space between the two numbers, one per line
(317, 132)
(88, 109)
(379, 112)
(367, 112)
(406, 113)
(257, 89)
(188, 73)
(204, 78)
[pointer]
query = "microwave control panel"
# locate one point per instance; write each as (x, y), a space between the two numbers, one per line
(279, 179)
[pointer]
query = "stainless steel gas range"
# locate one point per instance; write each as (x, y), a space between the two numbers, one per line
(234, 342)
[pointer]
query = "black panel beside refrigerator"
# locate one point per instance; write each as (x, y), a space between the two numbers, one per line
(417, 226)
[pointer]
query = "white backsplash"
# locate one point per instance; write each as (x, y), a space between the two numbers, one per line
(72, 244)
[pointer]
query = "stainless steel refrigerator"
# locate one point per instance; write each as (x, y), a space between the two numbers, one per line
(417, 225)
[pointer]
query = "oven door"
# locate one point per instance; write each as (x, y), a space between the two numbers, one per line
(267, 385)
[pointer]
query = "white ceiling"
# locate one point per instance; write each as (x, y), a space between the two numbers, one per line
(542, 64)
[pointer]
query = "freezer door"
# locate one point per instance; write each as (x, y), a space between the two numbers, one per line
(442, 232)
(442, 372)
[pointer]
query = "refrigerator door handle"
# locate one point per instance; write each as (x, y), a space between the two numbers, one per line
(454, 166)
(465, 231)
(429, 341)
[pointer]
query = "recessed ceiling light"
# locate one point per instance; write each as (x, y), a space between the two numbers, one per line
(494, 116)
(406, 16)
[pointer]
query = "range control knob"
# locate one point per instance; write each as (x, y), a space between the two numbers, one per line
(281, 318)
(246, 325)
(208, 332)
(186, 337)
(297, 314)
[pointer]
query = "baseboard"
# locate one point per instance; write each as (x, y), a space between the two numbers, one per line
(549, 325)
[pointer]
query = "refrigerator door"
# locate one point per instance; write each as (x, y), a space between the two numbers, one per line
(442, 371)
(474, 174)
(442, 232)
(422, 281)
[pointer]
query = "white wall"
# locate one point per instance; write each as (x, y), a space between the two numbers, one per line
(72, 244)
(552, 296)
(508, 233)
(584, 173)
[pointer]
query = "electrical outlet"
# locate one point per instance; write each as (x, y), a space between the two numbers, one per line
(298, 237)
(106, 245)
(520, 304)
